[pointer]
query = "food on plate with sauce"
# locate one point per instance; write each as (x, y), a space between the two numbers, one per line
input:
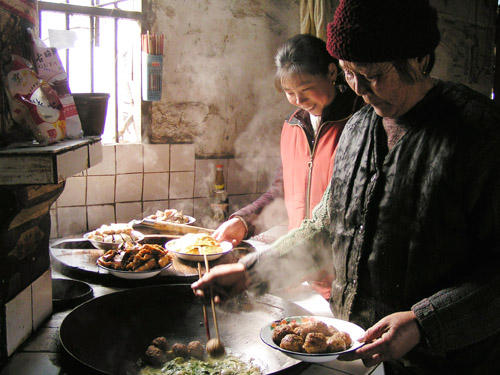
(136, 258)
(170, 216)
(197, 244)
(310, 336)
(114, 233)
(190, 359)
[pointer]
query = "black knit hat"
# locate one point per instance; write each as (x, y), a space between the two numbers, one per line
(382, 30)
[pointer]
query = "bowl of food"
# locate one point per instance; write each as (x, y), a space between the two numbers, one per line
(312, 338)
(135, 261)
(194, 247)
(171, 216)
(109, 237)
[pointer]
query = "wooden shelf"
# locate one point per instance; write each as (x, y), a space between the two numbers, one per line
(48, 164)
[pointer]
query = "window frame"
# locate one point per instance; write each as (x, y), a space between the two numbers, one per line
(96, 11)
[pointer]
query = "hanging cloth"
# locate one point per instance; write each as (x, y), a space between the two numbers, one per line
(314, 16)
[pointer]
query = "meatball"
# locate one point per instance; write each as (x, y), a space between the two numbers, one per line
(180, 350)
(155, 356)
(195, 349)
(347, 339)
(338, 342)
(331, 331)
(280, 332)
(315, 342)
(313, 326)
(335, 343)
(160, 342)
(292, 342)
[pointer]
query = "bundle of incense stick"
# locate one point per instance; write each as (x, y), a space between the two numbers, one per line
(152, 43)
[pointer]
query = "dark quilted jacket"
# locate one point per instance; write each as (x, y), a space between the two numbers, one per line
(417, 228)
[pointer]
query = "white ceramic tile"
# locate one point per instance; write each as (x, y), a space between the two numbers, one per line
(125, 212)
(73, 193)
(150, 207)
(239, 201)
(205, 175)
(19, 319)
(100, 189)
(99, 215)
(128, 187)
(107, 165)
(71, 220)
(242, 177)
(181, 185)
(155, 186)
(182, 157)
(129, 158)
(42, 298)
(266, 169)
(156, 158)
(201, 211)
(184, 205)
(53, 222)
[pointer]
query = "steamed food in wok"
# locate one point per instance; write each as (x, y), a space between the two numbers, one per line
(136, 258)
(161, 358)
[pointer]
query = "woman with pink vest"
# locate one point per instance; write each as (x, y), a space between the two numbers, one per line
(309, 77)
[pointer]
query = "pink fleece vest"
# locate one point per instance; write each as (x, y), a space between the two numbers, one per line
(295, 156)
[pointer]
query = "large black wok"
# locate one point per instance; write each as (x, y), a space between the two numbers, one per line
(109, 334)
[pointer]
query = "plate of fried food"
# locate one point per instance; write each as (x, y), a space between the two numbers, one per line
(113, 236)
(312, 338)
(194, 246)
(135, 261)
(171, 216)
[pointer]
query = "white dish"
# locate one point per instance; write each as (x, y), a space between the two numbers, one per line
(134, 275)
(138, 236)
(355, 331)
(225, 245)
(150, 221)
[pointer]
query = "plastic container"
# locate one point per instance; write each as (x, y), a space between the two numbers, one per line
(92, 109)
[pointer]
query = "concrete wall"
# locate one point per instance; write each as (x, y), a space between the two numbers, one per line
(218, 89)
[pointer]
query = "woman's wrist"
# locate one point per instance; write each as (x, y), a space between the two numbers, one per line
(243, 222)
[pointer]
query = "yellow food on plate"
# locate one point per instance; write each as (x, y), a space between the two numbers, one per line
(197, 244)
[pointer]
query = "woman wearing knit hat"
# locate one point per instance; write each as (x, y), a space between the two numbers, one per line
(412, 214)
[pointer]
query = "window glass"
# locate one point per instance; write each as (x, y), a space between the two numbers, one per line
(101, 54)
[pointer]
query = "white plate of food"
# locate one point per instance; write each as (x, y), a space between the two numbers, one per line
(194, 246)
(171, 216)
(135, 261)
(312, 338)
(131, 275)
(112, 236)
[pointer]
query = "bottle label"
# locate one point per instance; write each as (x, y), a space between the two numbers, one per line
(219, 187)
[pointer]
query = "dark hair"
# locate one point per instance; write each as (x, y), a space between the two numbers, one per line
(302, 54)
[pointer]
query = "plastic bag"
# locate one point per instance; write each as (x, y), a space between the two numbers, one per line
(49, 68)
(33, 103)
